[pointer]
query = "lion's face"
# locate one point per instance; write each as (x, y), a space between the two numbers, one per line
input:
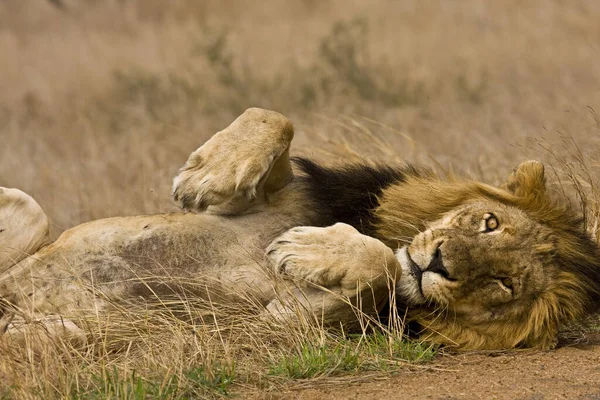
(485, 261)
(495, 267)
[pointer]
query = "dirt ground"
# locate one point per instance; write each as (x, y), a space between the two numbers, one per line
(570, 372)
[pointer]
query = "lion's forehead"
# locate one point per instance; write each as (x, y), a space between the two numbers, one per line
(517, 230)
(474, 210)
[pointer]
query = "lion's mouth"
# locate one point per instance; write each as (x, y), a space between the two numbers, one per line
(410, 283)
(415, 269)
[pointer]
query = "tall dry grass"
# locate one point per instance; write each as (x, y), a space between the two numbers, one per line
(101, 102)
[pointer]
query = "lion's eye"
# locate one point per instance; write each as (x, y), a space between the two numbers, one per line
(491, 222)
(506, 282)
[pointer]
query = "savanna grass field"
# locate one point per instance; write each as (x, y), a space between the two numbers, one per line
(101, 101)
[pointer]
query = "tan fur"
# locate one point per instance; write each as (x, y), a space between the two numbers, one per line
(358, 273)
(243, 178)
(256, 150)
(336, 256)
(23, 227)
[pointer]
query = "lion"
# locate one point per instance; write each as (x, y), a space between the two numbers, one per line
(475, 266)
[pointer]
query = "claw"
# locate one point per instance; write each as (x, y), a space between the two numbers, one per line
(187, 201)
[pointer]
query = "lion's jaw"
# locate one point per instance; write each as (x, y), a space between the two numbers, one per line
(409, 284)
(475, 287)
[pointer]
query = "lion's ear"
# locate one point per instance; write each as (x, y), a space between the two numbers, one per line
(527, 180)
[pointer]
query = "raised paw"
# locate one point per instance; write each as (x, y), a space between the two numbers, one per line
(335, 256)
(23, 227)
(236, 162)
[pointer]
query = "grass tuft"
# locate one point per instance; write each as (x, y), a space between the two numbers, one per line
(376, 351)
(112, 384)
(218, 379)
(310, 361)
(383, 348)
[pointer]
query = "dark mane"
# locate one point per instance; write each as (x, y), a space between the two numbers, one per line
(350, 193)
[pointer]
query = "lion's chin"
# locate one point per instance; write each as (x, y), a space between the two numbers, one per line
(408, 287)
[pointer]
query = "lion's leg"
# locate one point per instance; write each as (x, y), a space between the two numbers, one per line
(341, 270)
(23, 227)
(238, 166)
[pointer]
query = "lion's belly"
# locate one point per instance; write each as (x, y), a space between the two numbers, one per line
(148, 257)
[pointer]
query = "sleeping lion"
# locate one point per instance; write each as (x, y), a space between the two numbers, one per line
(475, 266)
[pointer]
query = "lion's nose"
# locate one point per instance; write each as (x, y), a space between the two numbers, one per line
(437, 264)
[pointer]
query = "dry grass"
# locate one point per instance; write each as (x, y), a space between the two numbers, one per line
(101, 103)
(195, 349)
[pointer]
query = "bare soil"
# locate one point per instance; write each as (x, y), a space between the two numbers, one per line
(570, 372)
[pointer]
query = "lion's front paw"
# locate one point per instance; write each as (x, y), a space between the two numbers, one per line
(236, 161)
(336, 256)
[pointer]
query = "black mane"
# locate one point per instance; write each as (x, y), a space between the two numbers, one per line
(349, 193)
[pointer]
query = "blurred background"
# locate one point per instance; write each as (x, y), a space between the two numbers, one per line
(101, 101)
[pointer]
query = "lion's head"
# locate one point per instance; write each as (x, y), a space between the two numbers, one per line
(490, 267)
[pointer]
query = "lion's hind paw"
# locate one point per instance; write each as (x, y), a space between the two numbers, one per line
(237, 162)
(202, 182)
